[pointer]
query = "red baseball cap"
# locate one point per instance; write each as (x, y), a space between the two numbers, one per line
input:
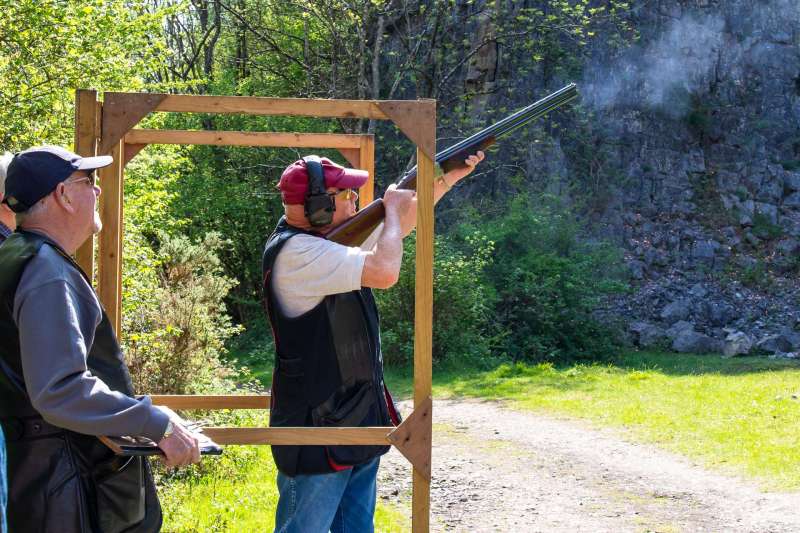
(294, 180)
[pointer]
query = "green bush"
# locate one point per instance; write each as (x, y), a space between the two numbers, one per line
(461, 309)
(756, 276)
(548, 285)
(176, 324)
(763, 228)
(524, 287)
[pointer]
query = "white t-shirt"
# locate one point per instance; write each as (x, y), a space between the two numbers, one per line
(309, 268)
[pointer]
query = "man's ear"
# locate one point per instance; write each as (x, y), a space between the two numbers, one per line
(61, 196)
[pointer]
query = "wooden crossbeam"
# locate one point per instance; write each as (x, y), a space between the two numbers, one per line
(254, 105)
(211, 402)
(244, 138)
(299, 435)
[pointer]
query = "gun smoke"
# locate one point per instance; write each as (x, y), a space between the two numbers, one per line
(662, 74)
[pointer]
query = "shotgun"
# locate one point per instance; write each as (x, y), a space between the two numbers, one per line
(356, 229)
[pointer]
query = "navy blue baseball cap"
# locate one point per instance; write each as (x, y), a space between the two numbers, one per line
(34, 173)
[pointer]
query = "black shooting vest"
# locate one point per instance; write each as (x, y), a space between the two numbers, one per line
(59, 480)
(328, 371)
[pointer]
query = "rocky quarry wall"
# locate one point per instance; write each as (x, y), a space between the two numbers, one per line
(694, 134)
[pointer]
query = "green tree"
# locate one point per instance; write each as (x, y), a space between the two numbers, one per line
(50, 47)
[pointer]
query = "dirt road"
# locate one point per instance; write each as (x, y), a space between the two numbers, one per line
(495, 469)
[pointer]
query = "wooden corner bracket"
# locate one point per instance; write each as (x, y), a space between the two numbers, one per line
(413, 438)
(123, 111)
(416, 119)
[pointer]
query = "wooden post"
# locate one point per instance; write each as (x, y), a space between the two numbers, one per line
(423, 326)
(366, 157)
(85, 144)
(109, 246)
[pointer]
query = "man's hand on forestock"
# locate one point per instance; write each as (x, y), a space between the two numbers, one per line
(457, 174)
(181, 448)
(401, 205)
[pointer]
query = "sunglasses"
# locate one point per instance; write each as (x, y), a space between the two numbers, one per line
(346, 194)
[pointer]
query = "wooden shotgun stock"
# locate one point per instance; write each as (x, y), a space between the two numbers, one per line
(355, 230)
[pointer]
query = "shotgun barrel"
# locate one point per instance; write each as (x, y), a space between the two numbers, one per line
(355, 230)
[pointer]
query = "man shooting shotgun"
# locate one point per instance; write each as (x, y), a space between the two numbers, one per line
(357, 228)
(319, 267)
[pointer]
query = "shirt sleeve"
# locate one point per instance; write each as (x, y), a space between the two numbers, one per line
(56, 328)
(309, 268)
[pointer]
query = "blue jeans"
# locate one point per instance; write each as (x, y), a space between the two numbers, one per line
(339, 502)
(3, 483)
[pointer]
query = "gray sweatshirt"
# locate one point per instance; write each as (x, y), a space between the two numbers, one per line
(57, 313)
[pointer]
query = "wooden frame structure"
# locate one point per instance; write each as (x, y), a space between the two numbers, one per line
(107, 127)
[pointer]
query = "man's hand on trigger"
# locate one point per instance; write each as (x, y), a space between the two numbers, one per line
(401, 203)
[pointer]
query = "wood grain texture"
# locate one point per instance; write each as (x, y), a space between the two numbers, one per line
(175, 401)
(253, 105)
(121, 112)
(352, 155)
(244, 138)
(85, 144)
(131, 151)
(423, 326)
(413, 438)
(416, 119)
(367, 162)
(109, 241)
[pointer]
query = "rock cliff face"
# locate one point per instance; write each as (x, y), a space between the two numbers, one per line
(694, 141)
(708, 210)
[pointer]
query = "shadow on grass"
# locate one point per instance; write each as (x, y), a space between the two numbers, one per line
(254, 350)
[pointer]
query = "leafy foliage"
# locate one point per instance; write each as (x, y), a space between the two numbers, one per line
(196, 218)
(461, 308)
(177, 348)
(524, 286)
(50, 47)
(548, 284)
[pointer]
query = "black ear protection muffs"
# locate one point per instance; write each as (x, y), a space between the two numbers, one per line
(319, 206)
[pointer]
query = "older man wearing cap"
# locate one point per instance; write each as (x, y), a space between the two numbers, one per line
(63, 379)
(328, 364)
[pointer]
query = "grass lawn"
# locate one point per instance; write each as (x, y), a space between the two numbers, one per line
(741, 414)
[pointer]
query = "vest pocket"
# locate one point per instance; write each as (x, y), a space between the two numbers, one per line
(45, 492)
(120, 490)
(351, 405)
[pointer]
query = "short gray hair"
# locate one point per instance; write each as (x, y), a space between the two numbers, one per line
(35, 209)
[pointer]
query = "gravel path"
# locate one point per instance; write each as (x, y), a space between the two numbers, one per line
(496, 469)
